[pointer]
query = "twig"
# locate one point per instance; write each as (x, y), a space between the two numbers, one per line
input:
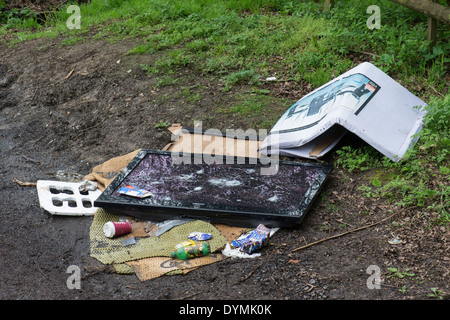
(190, 296)
(91, 127)
(311, 287)
(24, 184)
(70, 73)
(39, 268)
(364, 52)
(250, 274)
(29, 159)
(343, 222)
(435, 90)
(345, 233)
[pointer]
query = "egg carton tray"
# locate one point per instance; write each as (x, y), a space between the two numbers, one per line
(65, 198)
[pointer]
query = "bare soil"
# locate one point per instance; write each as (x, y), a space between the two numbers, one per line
(53, 127)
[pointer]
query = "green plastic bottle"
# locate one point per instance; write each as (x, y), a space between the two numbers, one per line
(197, 250)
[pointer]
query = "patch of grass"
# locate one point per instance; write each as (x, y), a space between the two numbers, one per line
(169, 63)
(422, 178)
(165, 80)
(72, 40)
(243, 76)
(191, 94)
(18, 18)
(255, 107)
(243, 39)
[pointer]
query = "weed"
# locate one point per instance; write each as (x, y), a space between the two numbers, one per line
(366, 190)
(361, 159)
(165, 80)
(18, 18)
(247, 76)
(162, 125)
(444, 170)
(400, 274)
(376, 182)
(436, 293)
(189, 94)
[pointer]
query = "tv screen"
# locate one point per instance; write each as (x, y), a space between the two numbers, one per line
(232, 190)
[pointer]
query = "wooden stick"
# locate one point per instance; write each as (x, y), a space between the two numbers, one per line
(29, 159)
(190, 296)
(250, 274)
(70, 73)
(432, 30)
(345, 233)
(24, 184)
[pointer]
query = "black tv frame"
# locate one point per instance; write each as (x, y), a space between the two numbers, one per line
(243, 216)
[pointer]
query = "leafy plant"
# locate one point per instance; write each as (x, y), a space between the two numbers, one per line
(361, 159)
(162, 125)
(18, 18)
(436, 293)
(400, 274)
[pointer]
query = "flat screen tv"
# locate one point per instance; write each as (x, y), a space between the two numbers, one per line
(230, 190)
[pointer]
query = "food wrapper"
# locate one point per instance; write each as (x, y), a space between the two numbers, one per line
(185, 244)
(199, 236)
(253, 240)
(135, 192)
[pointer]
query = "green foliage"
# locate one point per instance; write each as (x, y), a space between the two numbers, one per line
(436, 293)
(422, 178)
(18, 18)
(394, 272)
(244, 76)
(361, 159)
(294, 37)
(162, 125)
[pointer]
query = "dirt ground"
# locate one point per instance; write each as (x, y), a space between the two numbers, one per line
(57, 128)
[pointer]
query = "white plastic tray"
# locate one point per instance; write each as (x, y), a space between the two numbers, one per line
(65, 198)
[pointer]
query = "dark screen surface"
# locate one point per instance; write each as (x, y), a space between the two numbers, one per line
(234, 186)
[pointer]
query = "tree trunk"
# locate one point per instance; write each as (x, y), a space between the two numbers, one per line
(431, 9)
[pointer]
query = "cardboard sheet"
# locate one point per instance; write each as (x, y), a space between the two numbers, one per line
(190, 141)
